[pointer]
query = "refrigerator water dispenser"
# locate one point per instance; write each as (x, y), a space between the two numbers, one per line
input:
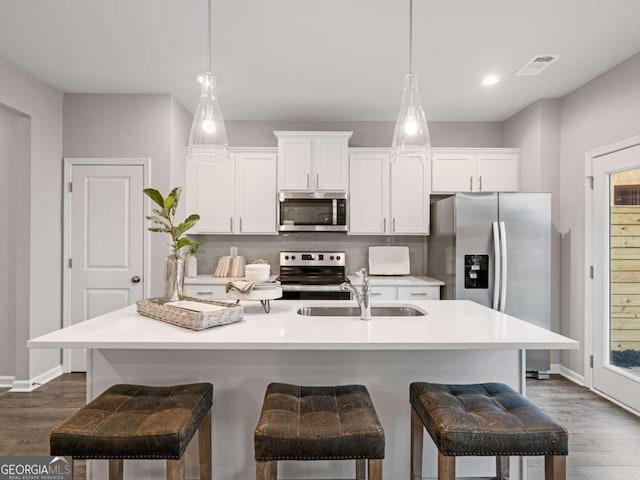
(476, 271)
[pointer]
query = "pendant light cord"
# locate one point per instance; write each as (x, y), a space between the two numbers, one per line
(410, 36)
(209, 40)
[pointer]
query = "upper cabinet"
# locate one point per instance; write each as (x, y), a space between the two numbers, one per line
(387, 198)
(475, 170)
(237, 196)
(313, 161)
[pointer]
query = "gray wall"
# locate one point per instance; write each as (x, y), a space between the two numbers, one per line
(140, 126)
(536, 131)
(369, 134)
(603, 111)
(38, 212)
(7, 244)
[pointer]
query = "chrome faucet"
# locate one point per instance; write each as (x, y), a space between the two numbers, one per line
(363, 297)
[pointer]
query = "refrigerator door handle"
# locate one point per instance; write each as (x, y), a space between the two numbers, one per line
(496, 265)
(503, 280)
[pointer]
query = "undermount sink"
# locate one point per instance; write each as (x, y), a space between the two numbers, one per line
(337, 311)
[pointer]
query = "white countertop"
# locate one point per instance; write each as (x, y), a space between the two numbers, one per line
(398, 280)
(449, 325)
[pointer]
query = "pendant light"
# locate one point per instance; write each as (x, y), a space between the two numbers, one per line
(208, 137)
(411, 136)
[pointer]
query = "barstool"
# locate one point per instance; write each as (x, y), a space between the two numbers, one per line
(139, 422)
(318, 423)
(487, 419)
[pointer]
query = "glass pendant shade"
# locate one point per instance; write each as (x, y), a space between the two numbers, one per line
(411, 136)
(208, 135)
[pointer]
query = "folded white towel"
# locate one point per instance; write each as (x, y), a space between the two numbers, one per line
(240, 286)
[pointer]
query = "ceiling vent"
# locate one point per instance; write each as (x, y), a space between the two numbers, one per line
(537, 64)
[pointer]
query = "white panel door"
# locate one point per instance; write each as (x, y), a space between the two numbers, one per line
(294, 164)
(369, 193)
(453, 172)
(409, 197)
(497, 173)
(106, 242)
(330, 162)
(616, 277)
(256, 193)
(214, 196)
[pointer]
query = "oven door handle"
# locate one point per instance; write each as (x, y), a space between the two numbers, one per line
(311, 288)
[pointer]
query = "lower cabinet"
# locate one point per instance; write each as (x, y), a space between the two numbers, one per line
(206, 292)
(404, 293)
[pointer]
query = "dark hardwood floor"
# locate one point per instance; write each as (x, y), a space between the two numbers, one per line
(604, 439)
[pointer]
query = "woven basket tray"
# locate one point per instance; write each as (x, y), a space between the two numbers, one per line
(156, 308)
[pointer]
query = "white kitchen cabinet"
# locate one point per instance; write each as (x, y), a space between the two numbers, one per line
(474, 170)
(382, 293)
(313, 161)
(418, 293)
(206, 292)
(237, 196)
(388, 198)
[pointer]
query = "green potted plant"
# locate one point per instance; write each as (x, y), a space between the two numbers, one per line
(165, 218)
(192, 260)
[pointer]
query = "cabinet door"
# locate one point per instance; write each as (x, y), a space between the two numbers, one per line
(330, 164)
(368, 193)
(211, 194)
(207, 292)
(418, 293)
(497, 172)
(382, 293)
(452, 172)
(255, 193)
(294, 164)
(409, 197)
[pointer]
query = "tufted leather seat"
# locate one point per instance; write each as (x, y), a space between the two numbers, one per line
(140, 422)
(489, 419)
(318, 423)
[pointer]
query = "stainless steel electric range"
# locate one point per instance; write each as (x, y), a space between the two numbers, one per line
(313, 275)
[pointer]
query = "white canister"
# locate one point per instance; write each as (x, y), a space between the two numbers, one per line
(192, 266)
(257, 272)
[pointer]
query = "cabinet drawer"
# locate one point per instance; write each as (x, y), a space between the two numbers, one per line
(383, 293)
(418, 293)
(207, 292)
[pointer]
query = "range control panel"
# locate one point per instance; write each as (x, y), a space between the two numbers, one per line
(476, 271)
(316, 259)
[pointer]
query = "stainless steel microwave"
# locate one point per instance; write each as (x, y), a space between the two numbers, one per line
(312, 211)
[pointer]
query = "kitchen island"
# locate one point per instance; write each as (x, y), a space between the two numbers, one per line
(455, 342)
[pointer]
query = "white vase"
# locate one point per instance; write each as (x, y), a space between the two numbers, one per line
(192, 266)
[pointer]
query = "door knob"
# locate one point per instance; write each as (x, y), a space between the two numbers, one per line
(135, 279)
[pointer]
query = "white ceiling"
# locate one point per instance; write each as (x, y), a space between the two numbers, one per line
(321, 59)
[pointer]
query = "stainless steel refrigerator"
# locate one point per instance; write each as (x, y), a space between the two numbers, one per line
(495, 249)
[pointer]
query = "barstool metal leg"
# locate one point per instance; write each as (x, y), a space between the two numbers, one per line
(374, 468)
(446, 467)
(175, 469)
(416, 445)
(555, 467)
(116, 469)
(204, 444)
(502, 467)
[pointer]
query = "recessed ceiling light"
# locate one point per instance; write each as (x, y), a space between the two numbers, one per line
(490, 80)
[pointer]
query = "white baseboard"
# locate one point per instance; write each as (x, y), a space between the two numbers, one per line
(6, 382)
(37, 381)
(568, 373)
